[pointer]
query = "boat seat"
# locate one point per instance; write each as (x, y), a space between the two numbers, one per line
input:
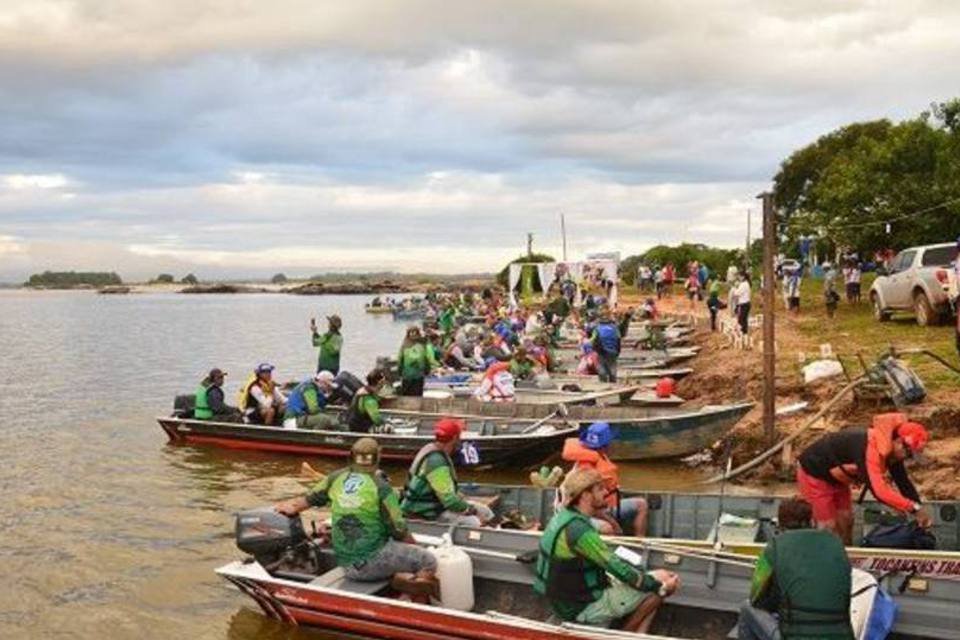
(337, 579)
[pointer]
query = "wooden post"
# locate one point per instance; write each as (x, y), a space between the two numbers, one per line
(563, 232)
(769, 347)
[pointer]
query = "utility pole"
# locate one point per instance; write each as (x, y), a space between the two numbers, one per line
(529, 245)
(769, 285)
(747, 254)
(563, 233)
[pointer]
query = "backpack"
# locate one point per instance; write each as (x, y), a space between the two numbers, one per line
(609, 338)
(903, 535)
(905, 386)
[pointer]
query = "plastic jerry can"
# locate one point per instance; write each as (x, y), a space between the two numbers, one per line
(455, 572)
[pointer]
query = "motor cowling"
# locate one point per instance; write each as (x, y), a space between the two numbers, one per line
(346, 385)
(267, 535)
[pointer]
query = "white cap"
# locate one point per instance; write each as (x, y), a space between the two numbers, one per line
(324, 376)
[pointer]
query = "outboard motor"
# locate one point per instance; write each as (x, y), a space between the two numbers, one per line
(276, 541)
(183, 405)
(346, 386)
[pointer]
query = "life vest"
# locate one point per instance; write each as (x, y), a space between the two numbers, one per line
(359, 527)
(357, 419)
(244, 397)
(566, 579)
(497, 384)
(584, 458)
(608, 338)
(305, 399)
(812, 574)
(201, 405)
(419, 498)
(861, 456)
(414, 362)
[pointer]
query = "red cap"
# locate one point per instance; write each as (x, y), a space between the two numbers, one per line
(447, 429)
(914, 435)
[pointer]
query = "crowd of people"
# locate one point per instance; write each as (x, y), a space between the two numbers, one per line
(801, 583)
(482, 334)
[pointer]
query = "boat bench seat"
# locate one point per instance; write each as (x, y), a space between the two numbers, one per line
(337, 579)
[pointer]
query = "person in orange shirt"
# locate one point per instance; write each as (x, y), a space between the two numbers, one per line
(829, 467)
(589, 451)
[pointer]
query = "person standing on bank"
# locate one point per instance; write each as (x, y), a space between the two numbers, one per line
(741, 295)
(802, 576)
(414, 361)
(330, 344)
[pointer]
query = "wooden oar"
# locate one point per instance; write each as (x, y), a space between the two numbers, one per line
(561, 410)
(309, 473)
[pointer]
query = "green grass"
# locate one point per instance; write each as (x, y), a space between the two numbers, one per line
(854, 330)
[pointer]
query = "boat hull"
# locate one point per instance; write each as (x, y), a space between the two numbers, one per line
(492, 450)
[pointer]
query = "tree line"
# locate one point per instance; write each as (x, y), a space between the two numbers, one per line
(876, 185)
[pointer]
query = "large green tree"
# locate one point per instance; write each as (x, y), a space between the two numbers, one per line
(876, 185)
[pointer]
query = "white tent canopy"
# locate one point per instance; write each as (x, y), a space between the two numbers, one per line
(581, 271)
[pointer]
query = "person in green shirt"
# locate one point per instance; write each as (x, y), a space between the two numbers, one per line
(330, 344)
(801, 584)
(447, 320)
(415, 361)
(574, 561)
(363, 415)
(432, 492)
(521, 365)
(371, 540)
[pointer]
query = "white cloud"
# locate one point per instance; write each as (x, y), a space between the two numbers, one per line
(20, 181)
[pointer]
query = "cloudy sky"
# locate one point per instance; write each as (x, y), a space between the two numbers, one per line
(242, 137)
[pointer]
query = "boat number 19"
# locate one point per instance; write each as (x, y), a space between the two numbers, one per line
(469, 453)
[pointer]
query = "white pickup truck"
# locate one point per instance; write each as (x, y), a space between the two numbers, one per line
(921, 280)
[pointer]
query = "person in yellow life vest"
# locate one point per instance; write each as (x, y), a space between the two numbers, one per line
(260, 400)
(589, 451)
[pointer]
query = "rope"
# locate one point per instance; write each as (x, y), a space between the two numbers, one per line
(763, 457)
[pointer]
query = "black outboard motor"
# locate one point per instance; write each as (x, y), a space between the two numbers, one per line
(346, 386)
(274, 540)
(183, 405)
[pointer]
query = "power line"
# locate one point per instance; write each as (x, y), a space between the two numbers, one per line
(833, 227)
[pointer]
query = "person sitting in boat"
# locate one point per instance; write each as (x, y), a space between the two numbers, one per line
(208, 400)
(260, 400)
(306, 403)
(574, 561)
(801, 583)
(414, 361)
(370, 537)
(589, 451)
(463, 354)
(856, 456)
(589, 362)
(522, 366)
(497, 384)
(330, 344)
(363, 414)
(432, 492)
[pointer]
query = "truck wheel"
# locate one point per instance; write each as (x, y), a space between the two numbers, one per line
(926, 316)
(878, 313)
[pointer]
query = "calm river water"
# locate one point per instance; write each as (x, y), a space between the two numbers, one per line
(106, 531)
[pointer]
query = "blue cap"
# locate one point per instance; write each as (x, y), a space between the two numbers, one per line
(264, 367)
(597, 436)
(586, 347)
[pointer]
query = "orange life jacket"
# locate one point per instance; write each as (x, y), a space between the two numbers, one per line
(583, 458)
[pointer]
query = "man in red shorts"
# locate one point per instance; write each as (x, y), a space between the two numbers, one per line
(829, 467)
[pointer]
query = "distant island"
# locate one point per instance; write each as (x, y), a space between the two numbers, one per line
(73, 280)
(320, 284)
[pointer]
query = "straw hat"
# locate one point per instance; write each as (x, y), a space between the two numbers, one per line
(577, 482)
